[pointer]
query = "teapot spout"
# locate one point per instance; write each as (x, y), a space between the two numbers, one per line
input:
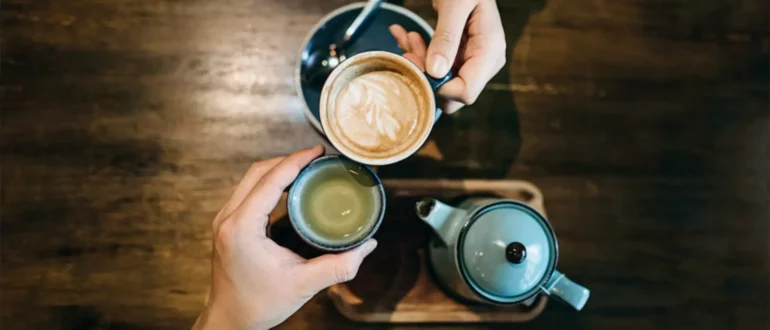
(436, 214)
(425, 207)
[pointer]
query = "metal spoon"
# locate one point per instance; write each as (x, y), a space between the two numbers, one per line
(321, 62)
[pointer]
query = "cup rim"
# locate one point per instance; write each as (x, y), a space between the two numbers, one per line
(404, 62)
(294, 190)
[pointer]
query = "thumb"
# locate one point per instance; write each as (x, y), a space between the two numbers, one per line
(330, 269)
(442, 50)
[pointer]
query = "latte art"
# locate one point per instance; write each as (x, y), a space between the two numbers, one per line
(377, 110)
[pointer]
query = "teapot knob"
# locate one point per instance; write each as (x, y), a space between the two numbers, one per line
(515, 253)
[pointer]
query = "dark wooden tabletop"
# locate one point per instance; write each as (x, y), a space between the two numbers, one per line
(126, 123)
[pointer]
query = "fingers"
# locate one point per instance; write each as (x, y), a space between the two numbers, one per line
(417, 50)
(411, 43)
(475, 72)
(330, 269)
(468, 84)
(482, 52)
(418, 61)
(452, 16)
(401, 36)
(451, 107)
(417, 44)
(267, 192)
(249, 180)
(484, 55)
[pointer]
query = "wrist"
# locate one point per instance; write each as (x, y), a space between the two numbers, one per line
(215, 317)
(219, 316)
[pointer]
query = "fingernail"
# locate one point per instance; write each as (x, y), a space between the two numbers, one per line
(369, 247)
(438, 65)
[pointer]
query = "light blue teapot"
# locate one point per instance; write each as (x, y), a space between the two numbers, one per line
(496, 251)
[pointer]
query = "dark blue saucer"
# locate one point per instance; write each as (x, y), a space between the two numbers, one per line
(376, 37)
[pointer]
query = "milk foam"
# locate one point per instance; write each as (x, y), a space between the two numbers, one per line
(378, 110)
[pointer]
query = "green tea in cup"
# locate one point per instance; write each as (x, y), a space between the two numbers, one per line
(336, 204)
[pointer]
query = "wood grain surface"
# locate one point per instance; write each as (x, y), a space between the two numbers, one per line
(125, 124)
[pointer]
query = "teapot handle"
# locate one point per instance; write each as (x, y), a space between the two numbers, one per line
(566, 290)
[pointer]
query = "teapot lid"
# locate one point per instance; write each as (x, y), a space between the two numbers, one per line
(507, 251)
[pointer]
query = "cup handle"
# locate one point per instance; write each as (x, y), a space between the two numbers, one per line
(570, 292)
(435, 84)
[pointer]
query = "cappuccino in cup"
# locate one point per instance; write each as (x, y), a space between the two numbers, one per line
(377, 108)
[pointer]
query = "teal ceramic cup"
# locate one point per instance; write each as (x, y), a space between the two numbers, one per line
(496, 251)
(336, 204)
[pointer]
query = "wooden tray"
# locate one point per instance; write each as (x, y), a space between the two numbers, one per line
(395, 283)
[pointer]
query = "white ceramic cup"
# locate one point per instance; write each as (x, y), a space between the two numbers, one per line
(428, 116)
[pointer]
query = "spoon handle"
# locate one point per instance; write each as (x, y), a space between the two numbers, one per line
(359, 24)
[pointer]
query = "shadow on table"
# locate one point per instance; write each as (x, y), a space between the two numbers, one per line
(482, 140)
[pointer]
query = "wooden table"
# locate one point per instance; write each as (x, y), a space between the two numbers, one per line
(126, 123)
